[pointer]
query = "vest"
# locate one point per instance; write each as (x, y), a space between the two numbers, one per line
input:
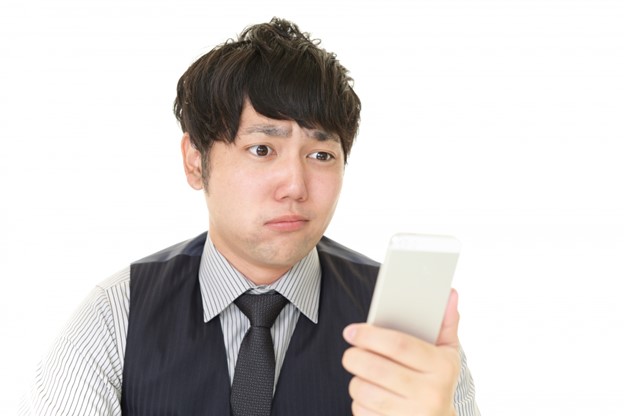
(175, 363)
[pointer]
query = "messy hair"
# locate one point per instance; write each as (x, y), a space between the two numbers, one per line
(283, 73)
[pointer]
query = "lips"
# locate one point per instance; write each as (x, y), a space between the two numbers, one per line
(287, 223)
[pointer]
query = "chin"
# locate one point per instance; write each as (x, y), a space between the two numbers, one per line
(286, 257)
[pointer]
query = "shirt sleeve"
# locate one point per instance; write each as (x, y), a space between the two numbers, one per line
(82, 372)
(465, 403)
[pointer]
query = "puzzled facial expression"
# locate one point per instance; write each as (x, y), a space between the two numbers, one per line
(272, 193)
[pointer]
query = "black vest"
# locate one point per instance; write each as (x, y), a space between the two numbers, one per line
(175, 363)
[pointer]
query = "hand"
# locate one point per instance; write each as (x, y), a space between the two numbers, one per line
(398, 374)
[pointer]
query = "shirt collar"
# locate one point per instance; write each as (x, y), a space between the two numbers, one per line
(221, 283)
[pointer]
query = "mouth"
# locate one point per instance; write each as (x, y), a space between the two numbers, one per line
(287, 223)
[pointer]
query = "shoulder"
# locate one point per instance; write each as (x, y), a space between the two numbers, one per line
(192, 247)
(348, 266)
(348, 279)
(111, 298)
(86, 358)
(115, 282)
(329, 248)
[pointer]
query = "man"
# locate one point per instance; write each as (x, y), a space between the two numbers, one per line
(268, 123)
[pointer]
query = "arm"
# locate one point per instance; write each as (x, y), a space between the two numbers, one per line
(82, 373)
(397, 374)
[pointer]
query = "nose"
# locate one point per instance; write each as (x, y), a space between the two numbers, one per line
(292, 179)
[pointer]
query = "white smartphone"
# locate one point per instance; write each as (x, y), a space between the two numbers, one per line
(414, 284)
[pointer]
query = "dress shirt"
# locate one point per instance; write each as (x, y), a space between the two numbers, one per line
(221, 284)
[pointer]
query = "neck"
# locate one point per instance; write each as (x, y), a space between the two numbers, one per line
(261, 276)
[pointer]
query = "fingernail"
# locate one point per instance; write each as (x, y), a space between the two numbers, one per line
(349, 333)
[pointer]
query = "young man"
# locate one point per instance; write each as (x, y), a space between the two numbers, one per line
(268, 124)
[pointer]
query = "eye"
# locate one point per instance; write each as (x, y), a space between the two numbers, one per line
(260, 150)
(322, 156)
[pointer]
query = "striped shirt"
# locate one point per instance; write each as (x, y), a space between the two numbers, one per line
(82, 374)
(221, 284)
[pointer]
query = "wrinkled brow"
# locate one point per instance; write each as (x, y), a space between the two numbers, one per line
(285, 131)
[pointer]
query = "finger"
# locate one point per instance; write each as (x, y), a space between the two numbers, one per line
(450, 324)
(381, 371)
(358, 410)
(370, 399)
(402, 348)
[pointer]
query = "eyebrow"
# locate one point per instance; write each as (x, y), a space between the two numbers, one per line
(281, 131)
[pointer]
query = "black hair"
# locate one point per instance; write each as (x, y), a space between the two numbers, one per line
(283, 73)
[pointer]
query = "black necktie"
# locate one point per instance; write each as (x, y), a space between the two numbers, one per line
(254, 376)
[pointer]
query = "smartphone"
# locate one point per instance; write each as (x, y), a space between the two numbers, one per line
(414, 284)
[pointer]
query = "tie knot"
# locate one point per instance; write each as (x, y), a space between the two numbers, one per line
(261, 310)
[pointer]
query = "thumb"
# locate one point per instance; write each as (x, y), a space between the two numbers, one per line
(448, 331)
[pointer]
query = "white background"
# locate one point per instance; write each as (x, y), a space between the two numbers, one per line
(499, 122)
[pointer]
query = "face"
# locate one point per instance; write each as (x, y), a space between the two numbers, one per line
(271, 194)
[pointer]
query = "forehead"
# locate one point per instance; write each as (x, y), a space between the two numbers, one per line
(252, 122)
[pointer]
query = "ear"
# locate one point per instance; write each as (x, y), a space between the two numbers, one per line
(192, 163)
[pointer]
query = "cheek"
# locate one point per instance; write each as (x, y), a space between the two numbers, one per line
(327, 190)
(237, 191)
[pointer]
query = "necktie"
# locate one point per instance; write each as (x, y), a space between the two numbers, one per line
(254, 375)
